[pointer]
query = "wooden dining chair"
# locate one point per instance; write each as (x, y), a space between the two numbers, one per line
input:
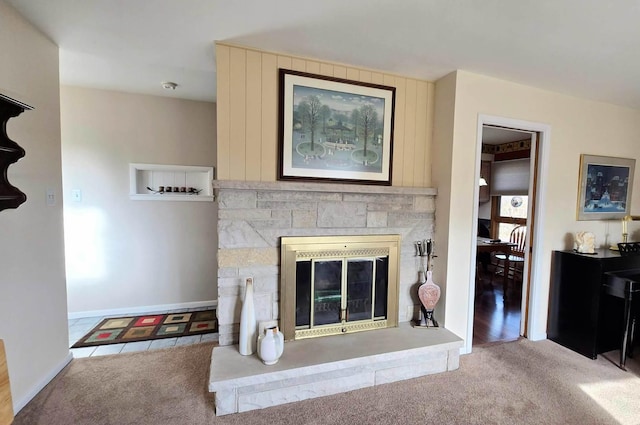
(518, 236)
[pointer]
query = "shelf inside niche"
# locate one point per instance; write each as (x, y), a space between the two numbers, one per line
(144, 176)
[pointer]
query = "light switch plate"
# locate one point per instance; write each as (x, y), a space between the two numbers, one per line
(51, 197)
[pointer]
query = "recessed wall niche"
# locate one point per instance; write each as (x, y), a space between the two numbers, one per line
(10, 152)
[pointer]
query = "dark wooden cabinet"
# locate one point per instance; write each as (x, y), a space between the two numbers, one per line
(581, 316)
(10, 152)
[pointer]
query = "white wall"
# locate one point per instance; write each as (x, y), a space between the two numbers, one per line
(442, 154)
(126, 254)
(577, 126)
(33, 308)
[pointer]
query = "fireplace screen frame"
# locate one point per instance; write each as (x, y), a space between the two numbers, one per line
(302, 248)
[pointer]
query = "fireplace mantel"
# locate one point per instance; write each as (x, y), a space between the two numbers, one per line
(323, 187)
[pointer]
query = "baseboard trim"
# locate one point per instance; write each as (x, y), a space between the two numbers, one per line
(18, 405)
(538, 336)
(141, 309)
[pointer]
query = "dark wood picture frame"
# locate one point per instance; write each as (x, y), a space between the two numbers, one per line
(334, 130)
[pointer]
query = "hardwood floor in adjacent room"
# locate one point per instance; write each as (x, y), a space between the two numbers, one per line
(495, 320)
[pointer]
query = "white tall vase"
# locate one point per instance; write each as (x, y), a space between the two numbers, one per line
(248, 324)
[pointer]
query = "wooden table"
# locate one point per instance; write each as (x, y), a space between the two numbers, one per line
(485, 245)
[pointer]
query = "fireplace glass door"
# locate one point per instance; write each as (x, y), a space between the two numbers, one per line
(336, 291)
(338, 284)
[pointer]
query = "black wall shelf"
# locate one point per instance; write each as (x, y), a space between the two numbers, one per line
(10, 152)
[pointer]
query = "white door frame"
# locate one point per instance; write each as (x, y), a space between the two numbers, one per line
(535, 330)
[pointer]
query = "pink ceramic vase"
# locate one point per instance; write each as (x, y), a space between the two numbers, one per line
(429, 294)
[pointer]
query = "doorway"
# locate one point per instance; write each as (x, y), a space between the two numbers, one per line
(503, 213)
(533, 323)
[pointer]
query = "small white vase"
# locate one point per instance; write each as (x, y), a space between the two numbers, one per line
(270, 345)
(248, 325)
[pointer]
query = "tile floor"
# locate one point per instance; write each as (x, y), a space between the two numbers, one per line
(79, 327)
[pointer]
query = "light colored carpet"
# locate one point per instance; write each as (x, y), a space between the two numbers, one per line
(520, 382)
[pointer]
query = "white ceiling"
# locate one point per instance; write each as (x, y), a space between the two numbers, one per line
(498, 136)
(586, 48)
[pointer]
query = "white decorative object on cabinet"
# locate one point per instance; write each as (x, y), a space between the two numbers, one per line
(158, 182)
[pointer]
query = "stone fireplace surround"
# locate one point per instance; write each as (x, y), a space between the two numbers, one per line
(252, 216)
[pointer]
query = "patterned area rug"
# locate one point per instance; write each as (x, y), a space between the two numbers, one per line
(118, 330)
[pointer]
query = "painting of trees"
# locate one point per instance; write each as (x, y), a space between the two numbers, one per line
(310, 111)
(368, 122)
(325, 112)
(333, 129)
(355, 121)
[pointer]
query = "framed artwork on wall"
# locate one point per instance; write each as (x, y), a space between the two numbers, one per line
(335, 130)
(605, 186)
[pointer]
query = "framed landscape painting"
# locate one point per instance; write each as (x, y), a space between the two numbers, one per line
(335, 130)
(605, 187)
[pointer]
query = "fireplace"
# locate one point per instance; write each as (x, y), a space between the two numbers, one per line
(254, 219)
(338, 284)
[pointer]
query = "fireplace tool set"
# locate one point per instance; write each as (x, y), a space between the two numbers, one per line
(428, 291)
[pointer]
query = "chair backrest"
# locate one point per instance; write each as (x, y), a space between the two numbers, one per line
(519, 237)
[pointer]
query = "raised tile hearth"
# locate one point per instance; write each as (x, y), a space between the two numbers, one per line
(318, 367)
